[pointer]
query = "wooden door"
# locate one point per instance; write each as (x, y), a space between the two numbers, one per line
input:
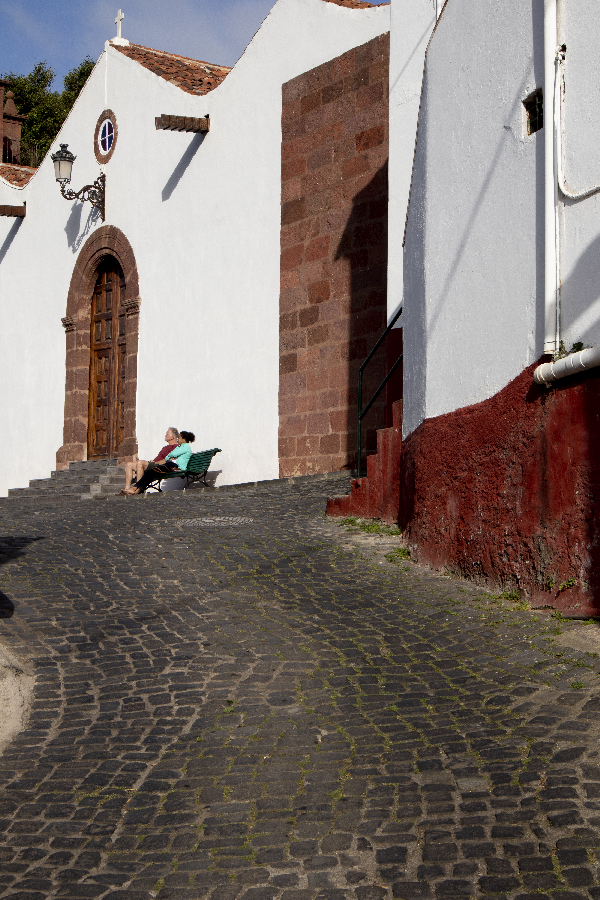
(107, 363)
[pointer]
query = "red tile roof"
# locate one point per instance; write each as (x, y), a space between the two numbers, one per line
(191, 75)
(17, 175)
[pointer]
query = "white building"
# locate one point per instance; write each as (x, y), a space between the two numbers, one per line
(192, 223)
(498, 474)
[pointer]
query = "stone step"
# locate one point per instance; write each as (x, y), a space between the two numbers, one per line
(92, 463)
(75, 484)
(85, 479)
(109, 489)
(110, 476)
(77, 487)
(112, 479)
(84, 475)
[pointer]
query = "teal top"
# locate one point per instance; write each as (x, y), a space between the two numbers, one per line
(181, 455)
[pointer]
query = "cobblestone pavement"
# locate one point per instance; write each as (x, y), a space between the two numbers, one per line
(237, 698)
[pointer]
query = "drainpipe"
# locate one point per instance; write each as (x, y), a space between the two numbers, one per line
(567, 365)
(551, 281)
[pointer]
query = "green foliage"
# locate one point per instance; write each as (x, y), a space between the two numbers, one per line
(398, 555)
(75, 80)
(46, 110)
(562, 350)
(565, 585)
(370, 526)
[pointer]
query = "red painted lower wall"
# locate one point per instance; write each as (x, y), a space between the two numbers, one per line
(507, 491)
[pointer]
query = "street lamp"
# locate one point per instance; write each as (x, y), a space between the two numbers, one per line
(63, 161)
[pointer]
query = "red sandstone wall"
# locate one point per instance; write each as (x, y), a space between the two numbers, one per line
(509, 490)
(333, 254)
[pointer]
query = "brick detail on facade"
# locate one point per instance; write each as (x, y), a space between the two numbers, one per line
(333, 255)
(105, 241)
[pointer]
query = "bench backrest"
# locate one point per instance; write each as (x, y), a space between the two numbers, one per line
(199, 462)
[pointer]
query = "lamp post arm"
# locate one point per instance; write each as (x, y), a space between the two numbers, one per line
(94, 193)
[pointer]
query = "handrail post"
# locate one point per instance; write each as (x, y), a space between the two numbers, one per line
(360, 411)
(359, 425)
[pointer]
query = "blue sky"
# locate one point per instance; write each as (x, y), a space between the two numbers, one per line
(63, 32)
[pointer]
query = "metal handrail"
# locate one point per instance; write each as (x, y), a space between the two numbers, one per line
(362, 412)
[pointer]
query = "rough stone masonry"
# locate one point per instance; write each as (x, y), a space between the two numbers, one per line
(237, 698)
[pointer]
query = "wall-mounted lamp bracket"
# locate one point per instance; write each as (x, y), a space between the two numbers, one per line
(94, 193)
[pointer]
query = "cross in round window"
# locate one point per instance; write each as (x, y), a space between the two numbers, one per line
(106, 136)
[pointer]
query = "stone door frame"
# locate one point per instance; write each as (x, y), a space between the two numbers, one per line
(105, 241)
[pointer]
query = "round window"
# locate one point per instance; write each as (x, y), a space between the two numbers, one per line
(105, 136)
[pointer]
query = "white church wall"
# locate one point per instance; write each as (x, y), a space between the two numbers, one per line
(473, 265)
(411, 26)
(203, 218)
(37, 255)
(229, 199)
(579, 29)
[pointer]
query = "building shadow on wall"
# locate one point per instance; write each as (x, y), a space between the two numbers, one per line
(182, 166)
(364, 245)
(12, 233)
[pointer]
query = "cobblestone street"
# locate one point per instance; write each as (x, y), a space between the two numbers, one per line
(236, 697)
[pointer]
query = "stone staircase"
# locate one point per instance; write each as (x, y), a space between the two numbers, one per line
(82, 480)
(377, 495)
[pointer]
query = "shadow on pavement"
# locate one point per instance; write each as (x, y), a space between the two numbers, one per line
(7, 607)
(12, 547)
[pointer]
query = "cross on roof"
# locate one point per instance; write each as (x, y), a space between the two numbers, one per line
(118, 21)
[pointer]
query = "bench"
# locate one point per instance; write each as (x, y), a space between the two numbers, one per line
(196, 470)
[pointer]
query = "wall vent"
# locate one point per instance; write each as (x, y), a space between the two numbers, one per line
(534, 111)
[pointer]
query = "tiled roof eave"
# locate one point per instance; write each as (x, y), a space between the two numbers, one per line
(190, 75)
(16, 176)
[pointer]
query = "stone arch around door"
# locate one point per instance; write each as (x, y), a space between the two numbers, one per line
(106, 241)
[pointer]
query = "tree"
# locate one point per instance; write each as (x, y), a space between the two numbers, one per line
(46, 110)
(74, 82)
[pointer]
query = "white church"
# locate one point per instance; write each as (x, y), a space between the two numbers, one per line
(182, 263)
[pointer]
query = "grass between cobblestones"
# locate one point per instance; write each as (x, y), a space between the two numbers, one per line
(283, 708)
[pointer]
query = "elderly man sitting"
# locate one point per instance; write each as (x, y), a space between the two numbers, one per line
(138, 468)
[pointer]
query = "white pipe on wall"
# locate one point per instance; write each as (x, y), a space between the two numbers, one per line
(554, 180)
(550, 184)
(559, 88)
(568, 365)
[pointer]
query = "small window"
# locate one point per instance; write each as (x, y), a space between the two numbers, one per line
(106, 136)
(534, 111)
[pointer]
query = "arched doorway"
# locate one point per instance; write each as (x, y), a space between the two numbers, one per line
(106, 418)
(102, 327)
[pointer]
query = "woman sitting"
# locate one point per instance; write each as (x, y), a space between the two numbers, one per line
(175, 461)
